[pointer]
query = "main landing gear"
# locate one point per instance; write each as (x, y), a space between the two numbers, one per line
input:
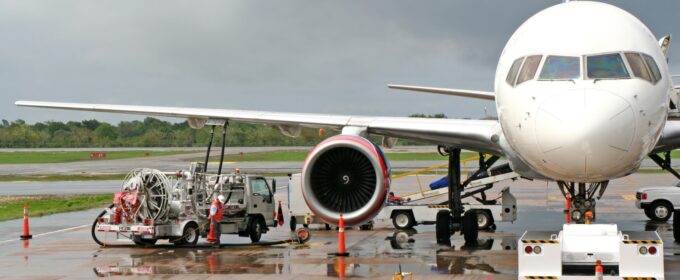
(455, 219)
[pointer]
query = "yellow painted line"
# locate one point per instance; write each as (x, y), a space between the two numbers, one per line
(628, 197)
(555, 198)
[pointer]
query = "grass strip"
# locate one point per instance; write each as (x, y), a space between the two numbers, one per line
(301, 155)
(59, 157)
(60, 177)
(12, 207)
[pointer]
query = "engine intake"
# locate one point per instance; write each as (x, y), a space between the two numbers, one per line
(346, 174)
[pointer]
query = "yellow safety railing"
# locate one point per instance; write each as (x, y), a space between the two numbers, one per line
(427, 169)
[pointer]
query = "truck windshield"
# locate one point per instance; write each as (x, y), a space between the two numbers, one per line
(260, 187)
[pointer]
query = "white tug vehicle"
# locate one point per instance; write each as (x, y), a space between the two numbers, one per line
(574, 252)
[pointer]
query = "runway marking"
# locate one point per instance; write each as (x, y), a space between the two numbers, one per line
(628, 197)
(46, 233)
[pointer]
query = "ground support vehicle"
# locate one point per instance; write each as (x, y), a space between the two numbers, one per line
(658, 202)
(408, 215)
(411, 214)
(573, 252)
(151, 206)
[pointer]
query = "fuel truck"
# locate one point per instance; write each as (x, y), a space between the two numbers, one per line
(151, 206)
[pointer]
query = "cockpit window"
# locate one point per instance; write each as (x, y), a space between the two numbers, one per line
(638, 66)
(607, 66)
(560, 68)
(510, 79)
(653, 68)
(529, 68)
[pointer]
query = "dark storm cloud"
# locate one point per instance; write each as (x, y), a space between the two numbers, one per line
(303, 56)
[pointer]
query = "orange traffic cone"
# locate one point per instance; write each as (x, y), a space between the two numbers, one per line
(598, 270)
(342, 252)
(279, 216)
(26, 234)
(211, 234)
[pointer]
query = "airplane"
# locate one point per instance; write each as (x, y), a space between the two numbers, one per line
(583, 94)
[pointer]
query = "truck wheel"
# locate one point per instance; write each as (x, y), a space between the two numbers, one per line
(648, 212)
(256, 229)
(484, 220)
(189, 235)
(443, 227)
(293, 223)
(403, 220)
(470, 227)
(139, 241)
(661, 211)
(676, 226)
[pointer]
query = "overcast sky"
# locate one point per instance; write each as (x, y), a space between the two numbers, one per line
(298, 56)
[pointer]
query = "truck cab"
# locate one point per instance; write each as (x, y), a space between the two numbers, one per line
(658, 202)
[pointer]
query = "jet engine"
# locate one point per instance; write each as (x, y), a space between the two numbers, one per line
(346, 175)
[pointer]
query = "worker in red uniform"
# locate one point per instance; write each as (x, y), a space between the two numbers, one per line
(216, 213)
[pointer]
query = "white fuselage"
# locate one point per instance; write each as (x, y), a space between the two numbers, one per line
(588, 117)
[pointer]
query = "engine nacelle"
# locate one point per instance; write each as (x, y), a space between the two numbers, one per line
(346, 174)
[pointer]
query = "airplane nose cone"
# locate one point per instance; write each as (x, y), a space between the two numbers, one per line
(585, 132)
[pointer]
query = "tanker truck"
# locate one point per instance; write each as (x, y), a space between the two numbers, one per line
(152, 205)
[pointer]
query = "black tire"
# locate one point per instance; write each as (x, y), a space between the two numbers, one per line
(403, 220)
(189, 235)
(328, 227)
(443, 227)
(470, 227)
(676, 225)
(484, 220)
(293, 223)
(648, 213)
(256, 229)
(139, 241)
(660, 211)
(94, 227)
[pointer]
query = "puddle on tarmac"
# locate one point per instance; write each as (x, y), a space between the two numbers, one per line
(400, 248)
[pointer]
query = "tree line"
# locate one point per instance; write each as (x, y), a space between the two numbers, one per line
(152, 132)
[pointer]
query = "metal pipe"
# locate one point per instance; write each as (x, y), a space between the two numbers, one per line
(224, 144)
(207, 153)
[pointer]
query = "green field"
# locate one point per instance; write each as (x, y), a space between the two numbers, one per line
(12, 207)
(61, 177)
(58, 157)
(300, 155)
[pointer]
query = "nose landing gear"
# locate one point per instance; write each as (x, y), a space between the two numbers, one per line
(582, 200)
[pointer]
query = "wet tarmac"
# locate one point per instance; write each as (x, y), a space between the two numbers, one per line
(379, 253)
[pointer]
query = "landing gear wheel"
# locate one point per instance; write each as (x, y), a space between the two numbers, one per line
(139, 241)
(368, 226)
(327, 227)
(189, 235)
(470, 227)
(94, 226)
(660, 211)
(293, 223)
(484, 220)
(256, 229)
(443, 227)
(403, 220)
(676, 225)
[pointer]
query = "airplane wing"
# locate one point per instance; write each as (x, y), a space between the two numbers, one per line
(475, 135)
(448, 91)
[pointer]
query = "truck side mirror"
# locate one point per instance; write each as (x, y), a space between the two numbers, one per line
(273, 185)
